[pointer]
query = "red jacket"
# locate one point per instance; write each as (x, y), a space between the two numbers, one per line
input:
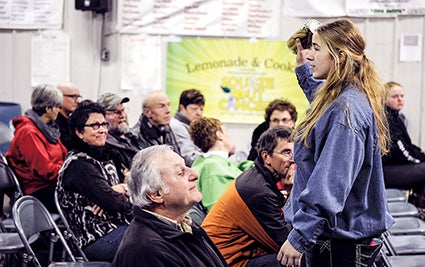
(35, 161)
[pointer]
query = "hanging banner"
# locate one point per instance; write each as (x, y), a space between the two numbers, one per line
(30, 14)
(384, 8)
(313, 8)
(238, 77)
(234, 18)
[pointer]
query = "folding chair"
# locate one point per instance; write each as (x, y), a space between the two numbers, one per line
(403, 209)
(399, 261)
(395, 195)
(404, 244)
(408, 226)
(32, 218)
(10, 186)
(11, 246)
(68, 233)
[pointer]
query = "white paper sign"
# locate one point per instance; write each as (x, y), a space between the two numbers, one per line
(31, 14)
(411, 47)
(140, 63)
(50, 58)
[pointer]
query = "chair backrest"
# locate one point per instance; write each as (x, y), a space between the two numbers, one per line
(68, 233)
(9, 184)
(31, 217)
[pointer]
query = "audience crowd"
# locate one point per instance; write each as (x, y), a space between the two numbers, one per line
(304, 193)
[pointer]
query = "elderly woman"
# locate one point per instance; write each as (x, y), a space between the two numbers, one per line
(89, 192)
(216, 171)
(36, 153)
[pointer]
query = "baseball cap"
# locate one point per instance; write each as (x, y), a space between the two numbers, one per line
(110, 101)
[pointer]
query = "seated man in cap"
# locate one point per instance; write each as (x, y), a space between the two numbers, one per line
(120, 140)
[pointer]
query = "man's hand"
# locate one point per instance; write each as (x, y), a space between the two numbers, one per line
(288, 255)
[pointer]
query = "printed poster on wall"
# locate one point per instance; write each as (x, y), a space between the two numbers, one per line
(31, 14)
(388, 8)
(238, 77)
(232, 18)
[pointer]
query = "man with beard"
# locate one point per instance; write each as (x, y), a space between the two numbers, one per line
(153, 127)
(71, 98)
(120, 141)
(247, 223)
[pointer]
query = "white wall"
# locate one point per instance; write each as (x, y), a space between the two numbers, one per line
(94, 76)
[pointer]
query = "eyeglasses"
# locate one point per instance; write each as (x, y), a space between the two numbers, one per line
(118, 112)
(285, 153)
(96, 126)
(74, 97)
(284, 120)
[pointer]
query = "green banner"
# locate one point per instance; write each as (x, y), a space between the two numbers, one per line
(238, 77)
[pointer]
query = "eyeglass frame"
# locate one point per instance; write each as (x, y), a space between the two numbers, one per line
(96, 126)
(74, 97)
(286, 153)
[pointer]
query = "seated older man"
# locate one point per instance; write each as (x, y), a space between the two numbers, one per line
(162, 190)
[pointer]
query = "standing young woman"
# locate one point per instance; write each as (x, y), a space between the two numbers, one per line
(337, 205)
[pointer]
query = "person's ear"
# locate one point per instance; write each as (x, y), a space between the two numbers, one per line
(219, 135)
(156, 197)
(342, 56)
(80, 135)
(265, 156)
(181, 107)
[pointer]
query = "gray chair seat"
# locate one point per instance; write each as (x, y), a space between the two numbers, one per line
(402, 209)
(407, 244)
(395, 195)
(408, 226)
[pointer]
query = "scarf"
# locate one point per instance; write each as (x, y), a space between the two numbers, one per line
(49, 130)
(180, 117)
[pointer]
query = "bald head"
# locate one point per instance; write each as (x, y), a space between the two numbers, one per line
(156, 107)
(71, 97)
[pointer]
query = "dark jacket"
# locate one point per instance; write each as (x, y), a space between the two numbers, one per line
(123, 150)
(65, 137)
(402, 150)
(247, 220)
(86, 178)
(149, 135)
(150, 241)
(261, 128)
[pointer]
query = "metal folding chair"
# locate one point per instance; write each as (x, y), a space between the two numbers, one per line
(32, 218)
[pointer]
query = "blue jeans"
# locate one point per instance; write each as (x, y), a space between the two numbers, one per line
(264, 261)
(343, 253)
(105, 248)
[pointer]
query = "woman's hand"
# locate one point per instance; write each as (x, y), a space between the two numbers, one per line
(288, 255)
(302, 53)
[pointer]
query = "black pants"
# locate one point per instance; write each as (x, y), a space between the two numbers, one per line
(46, 196)
(343, 253)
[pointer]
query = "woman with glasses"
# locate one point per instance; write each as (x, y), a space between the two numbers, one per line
(36, 153)
(89, 190)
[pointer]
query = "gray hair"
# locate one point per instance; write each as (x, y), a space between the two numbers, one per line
(45, 95)
(145, 177)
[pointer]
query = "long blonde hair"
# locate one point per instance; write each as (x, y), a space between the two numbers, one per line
(342, 37)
